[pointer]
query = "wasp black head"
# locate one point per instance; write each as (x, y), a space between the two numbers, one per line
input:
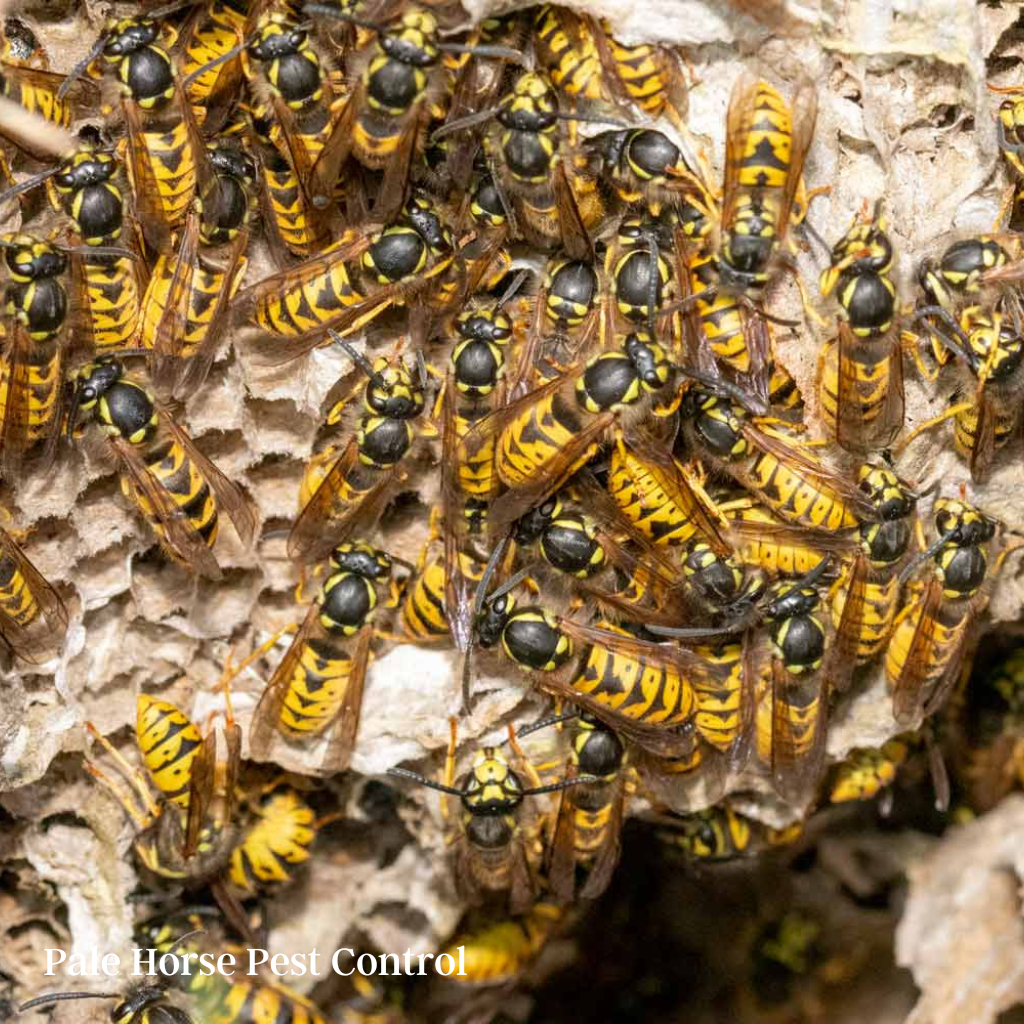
(363, 560)
(129, 36)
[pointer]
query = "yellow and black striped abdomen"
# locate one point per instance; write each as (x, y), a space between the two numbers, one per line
(643, 74)
(796, 497)
(767, 142)
(476, 472)
(719, 716)
(719, 315)
(881, 604)
(499, 952)
(965, 428)
(649, 501)
(207, 285)
(944, 635)
(804, 707)
(39, 100)
(869, 364)
(218, 31)
(306, 301)
(113, 294)
(592, 822)
(534, 438)
(173, 168)
(629, 686)
(44, 366)
(424, 619)
(280, 839)
(180, 476)
(17, 601)
(572, 65)
(777, 556)
(169, 742)
(317, 688)
(240, 1000)
(298, 230)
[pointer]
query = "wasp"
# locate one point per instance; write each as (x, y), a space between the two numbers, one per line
(992, 354)
(88, 187)
(296, 101)
(33, 618)
(790, 691)
(38, 312)
(765, 151)
(185, 307)
(50, 96)
(524, 149)
(587, 64)
(349, 488)
(545, 437)
(928, 639)
(496, 952)
(211, 33)
(586, 842)
(349, 286)
(988, 726)
(972, 273)
(860, 375)
(791, 718)
(469, 482)
(867, 772)
(495, 857)
(779, 473)
(395, 95)
(641, 689)
(284, 829)
(645, 170)
(218, 998)
(318, 686)
(720, 833)
(176, 488)
(165, 153)
(186, 832)
(565, 325)
(865, 597)
(144, 1003)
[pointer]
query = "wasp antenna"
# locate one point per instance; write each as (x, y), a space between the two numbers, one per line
(359, 359)
(918, 560)
(327, 11)
(60, 997)
(27, 185)
(545, 723)
(488, 574)
(406, 773)
(182, 939)
(463, 123)
(79, 69)
(502, 52)
(577, 780)
(516, 284)
(510, 584)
